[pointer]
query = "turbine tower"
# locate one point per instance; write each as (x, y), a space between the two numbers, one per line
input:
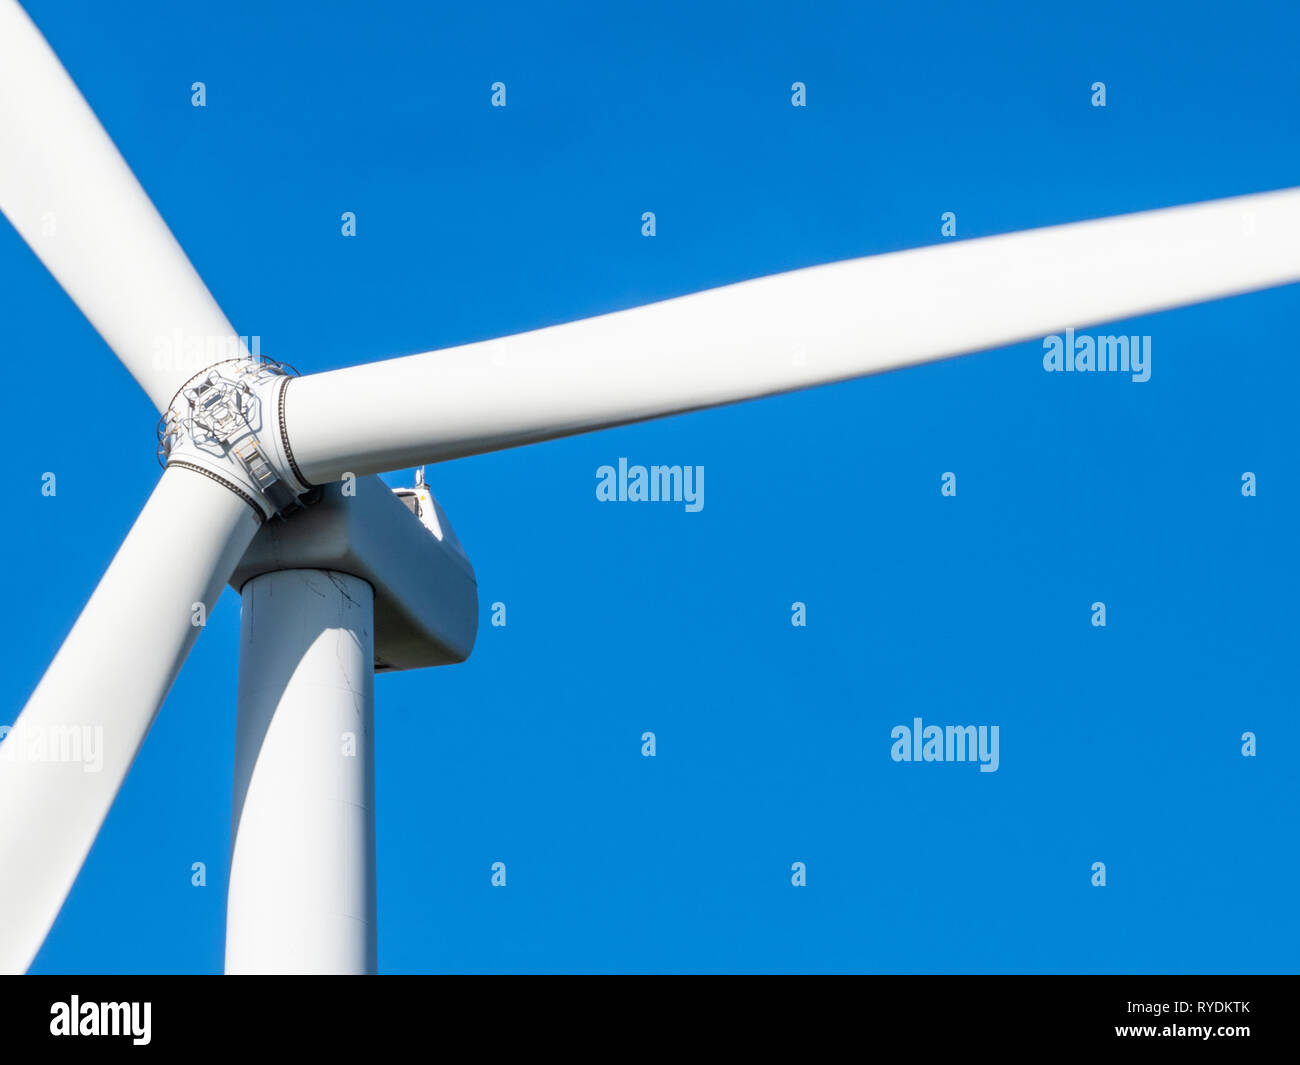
(272, 475)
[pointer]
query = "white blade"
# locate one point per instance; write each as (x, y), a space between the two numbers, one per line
(74, 742)
(790, 331)
(71, 196)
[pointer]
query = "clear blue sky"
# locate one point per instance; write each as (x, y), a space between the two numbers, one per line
(1119, 745)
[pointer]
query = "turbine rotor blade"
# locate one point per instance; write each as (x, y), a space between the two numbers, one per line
(73, 199)
(101, 694)
(785, 332)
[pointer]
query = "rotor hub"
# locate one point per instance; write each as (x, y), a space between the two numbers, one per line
(227, 422)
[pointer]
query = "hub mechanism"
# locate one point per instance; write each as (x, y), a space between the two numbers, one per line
(227, 422)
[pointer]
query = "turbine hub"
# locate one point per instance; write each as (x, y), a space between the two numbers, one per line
(227, 422)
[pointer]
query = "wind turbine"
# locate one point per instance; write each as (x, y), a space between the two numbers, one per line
(268, 484)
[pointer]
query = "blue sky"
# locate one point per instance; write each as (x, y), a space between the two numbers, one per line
(1119, 744)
